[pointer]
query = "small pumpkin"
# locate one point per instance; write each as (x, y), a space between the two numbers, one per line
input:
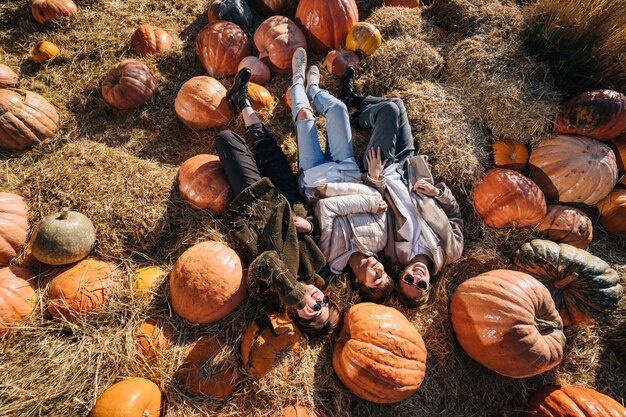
(44, 51)
(203, 184)
(235, 11)
(613, 212)
(132, 397)
(207, 370)
(152, 338)
(45, 11)
(298, 411)
(145, 279)
(151, 40)
(206, 283)
(337, 61)
(264, 340)
(379, 356)
(584, 287)
(129, 84)
(364, 38)
(202, 103)
(573, 401)
(277, 38)
(573, 169)
(402, 3)
(507, 322)
(8, 77)
(14, 226)
(260, 97)
(506, 198)
(17, 296)
(261, 73)
(325, 23)
(221, 46)
(569, 225)
(63, 238)
(599, 114)
(510, 154)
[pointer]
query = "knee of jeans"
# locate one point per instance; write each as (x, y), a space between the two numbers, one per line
(398, 102)
(225, 139)
(337, 106)
(390, 110)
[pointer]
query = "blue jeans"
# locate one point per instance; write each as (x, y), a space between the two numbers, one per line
(338, 133)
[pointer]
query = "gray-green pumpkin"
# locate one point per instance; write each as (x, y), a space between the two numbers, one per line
(63, 238)
(584, 287)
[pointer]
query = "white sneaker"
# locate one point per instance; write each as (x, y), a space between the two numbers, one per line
(298, 65)
(313, 79)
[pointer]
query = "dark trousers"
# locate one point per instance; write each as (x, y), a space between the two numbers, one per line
(264, 158)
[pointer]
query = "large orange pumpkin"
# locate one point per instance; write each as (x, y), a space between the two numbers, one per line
(128, 84)
(82, 288)
(613, 212)
(8, 77)
(507, 198)
(150, 40)
(298, 411)
(17, 296)
(207, 370)
(277, 39)
(206, 283)
(326, 23)
(203, 184)
(132, 397)
(221, 46)
(379, 355)
(599, 114)
(573, 401)
(573, 169)
(364, 38)
(260, 97)
(45, 11)
(568, 225)
(202, 103)
(510, 154)
(507, 322)
(13, 225)
(261, 73)
(26, 119)
(338, 61)
(152, 337)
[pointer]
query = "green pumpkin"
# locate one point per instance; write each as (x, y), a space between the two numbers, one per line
(584, 287)
(235, 11)
(63, 238)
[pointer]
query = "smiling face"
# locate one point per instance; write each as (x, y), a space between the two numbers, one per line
(371, 274)
(313, 296)
(414, 280)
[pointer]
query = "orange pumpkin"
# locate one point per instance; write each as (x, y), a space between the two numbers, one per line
(261, 73)
(299, 411)
(8, 77)
(13, 225)
(45, 11)
(27, 119)
(203, 184)
(82, 288)
(150, 40)
(206, 283)
(568, 225)
(338, 61)
(221, 46)
(364, 38)
(287, 98)
(277, 39)
(379, 355)
(613, 212)
(17, 296)
(207, 370)
(507, 322)
(510, 154)
(573, 401)
(326, 23)
(202, 103)
(507, 198)
(573, 169)
(145, 279)
(402, 3)
(129, 398)
(129, 84)
(260, 97)
(152, 337)
(44, 51)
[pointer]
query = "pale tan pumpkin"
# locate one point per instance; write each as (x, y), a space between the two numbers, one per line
(8, 77)
(569, 225)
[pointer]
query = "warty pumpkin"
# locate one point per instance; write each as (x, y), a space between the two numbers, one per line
(573, 169)
(506, 198)
(45, 11)
(260, 97)
(206, 283)
(14, 225)
(277, 38)
(379, 355)
(325, 23)
(203, 184)
(363, 38)
(613, 212)
(146, 279)
(202, 103)
(569, 225)
(132, 397)
(337, 61)
(151, 40)
(44, 51)
(599, 114)
(506, 321)
(299, 411)
(8, 77)
(17, 296)
(129, 84)
(573, 401)
(261, 73)
(235, 11)
(221, 46)
(510, 154)
(152, 338)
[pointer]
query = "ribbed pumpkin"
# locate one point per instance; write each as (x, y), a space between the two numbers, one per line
(235, 11)
(507, 322)
(45, 11)
(510, 154)
(618, 145)
(273, 7)
(568, 225)
(203, 184)
(26, 119)
(379, 355)
(82, 288)
(264, 340)
(298, 411)
(364, 38)
(13, 225)
(277, 38)
(506, 198)
(207, 370)
(613, 212)
(129, 84)
(326, 23)
(132, 397)
(8, 77)
(337, 61)
(145, 279)
(63, 238)
(584, 287)
(573, 401)
(152, 338)
(573, 169)
(261, 73)
(17, 296)
(599, 114)
(151, 40)
(260, 97)
(44, 51)
(221, 46)
(202, 103)
(402, 3)
(206, 283)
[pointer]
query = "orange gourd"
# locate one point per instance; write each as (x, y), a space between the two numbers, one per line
(8, 77)
(299, 411)
(14, 225)
(338, 61)
(45, 11)
(325, 23)
(203, 184)
(613, 212)
(510, 154)
(260, 97)
(129, 84)
(569, 225)
(151, 40)
(152, 337)
(573, 401)
(132, 397)
(221, 46)
(277, 38)
(364, 39)
(261, 73)
(17, 296)
(202, 103)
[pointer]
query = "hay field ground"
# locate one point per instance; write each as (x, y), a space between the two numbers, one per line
(466, 79)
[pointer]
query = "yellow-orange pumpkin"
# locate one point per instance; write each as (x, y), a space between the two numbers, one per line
(573, 401)
(260, 97)
(337, 61)
(152, 337)
(510, 154)
(326, 23)
(132, 397)
(45, 11)
(44, 51)
(17, 296)
(364, 38)
(8, 77)
(129, 84)
(202, 103)
(221, 46)
(277, 38)
(203, 184)
(261, 73)
(150, 40)
(14, 225)
(569, 225)
(145, 279)
(613, 212)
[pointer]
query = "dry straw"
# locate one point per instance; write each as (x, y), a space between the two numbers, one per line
(471, 17)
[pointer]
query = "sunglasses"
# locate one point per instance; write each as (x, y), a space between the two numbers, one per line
(421, 284)
(318, 306)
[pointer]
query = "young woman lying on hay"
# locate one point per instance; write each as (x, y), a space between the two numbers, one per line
(267, 220)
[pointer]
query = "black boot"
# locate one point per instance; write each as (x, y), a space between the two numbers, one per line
(347, 94)
(238, 93)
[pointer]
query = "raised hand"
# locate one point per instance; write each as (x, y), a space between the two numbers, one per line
(426, 188)
(375, 164)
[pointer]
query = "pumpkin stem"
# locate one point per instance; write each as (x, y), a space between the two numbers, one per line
(65, 212)
(566, 281)
(546, 325)
(146, 413)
